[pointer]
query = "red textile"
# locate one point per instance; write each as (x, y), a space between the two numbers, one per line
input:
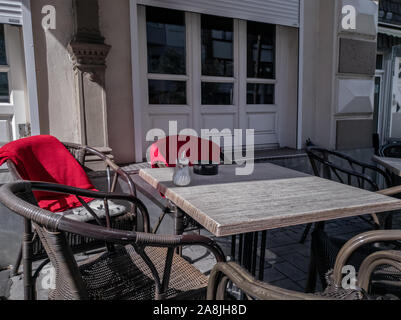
(198, 149)
(44, 158)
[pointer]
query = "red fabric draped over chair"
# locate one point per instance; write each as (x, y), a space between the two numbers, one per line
(44, 158)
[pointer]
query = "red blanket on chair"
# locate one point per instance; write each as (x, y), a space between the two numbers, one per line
(44, 158)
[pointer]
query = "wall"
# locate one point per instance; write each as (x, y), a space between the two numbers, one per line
(309, 54)
(354, 78)
(318, 59)
(59, 114)
(115, 27)
(56, 92)
(338, 74)
(288, 85)
(323, 84)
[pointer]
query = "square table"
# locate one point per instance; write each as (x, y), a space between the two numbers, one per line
(271, 197)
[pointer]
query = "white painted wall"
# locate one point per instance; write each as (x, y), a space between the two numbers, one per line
(318, 76)
(287, 86)
(56, 92)
(115, 27)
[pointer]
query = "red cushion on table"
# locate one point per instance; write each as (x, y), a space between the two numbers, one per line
(206, 150)
(44, 158)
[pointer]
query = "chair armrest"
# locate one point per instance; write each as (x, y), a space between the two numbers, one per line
(59, 222)
(224, 272)
(381, 258)
(56, 188)
(390, 191)
(352, 245)
(13, 170)
(111, 164)
(84, 150)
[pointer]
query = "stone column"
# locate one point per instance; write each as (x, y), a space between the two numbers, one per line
(88, 54)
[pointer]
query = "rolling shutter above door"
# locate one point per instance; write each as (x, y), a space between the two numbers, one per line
(269, 11)
(11, 12)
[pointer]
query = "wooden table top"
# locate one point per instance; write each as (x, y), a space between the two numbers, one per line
(272, 197)
(392, 164)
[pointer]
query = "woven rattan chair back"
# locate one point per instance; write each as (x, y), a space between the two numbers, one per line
(52, 228)
(54, 241)
(79, 243)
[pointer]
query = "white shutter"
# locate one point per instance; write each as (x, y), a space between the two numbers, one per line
(11, 12)
(269, 11)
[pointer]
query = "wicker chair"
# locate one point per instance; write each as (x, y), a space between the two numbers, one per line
(337, 166)
(252, 289)
(124, 219)
(344, 169)
(135, 266)
(391, 150)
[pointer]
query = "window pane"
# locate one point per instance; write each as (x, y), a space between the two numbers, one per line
(4, 89)
(379, 62)
(261, 50)
(217, 46)
(167, 92)
(377, 103)
(3, 56)
(217, 93)
(166, 41)
(260, 93)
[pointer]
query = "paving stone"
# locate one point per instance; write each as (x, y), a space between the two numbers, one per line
(302, 284)
(272, 258)
(271, 274)
(5, 284)
(298, 260)
(290, 271)
(288, 284)
(293, 248)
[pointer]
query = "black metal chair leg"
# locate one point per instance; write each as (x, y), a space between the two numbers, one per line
(27, 261)
(312, 276)
(262, 256)
(312, 272)
(247, 253)
(240, 248)
(17, 263)
(159, 222)
(233, 244)
(305, 234)
(254, 252)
